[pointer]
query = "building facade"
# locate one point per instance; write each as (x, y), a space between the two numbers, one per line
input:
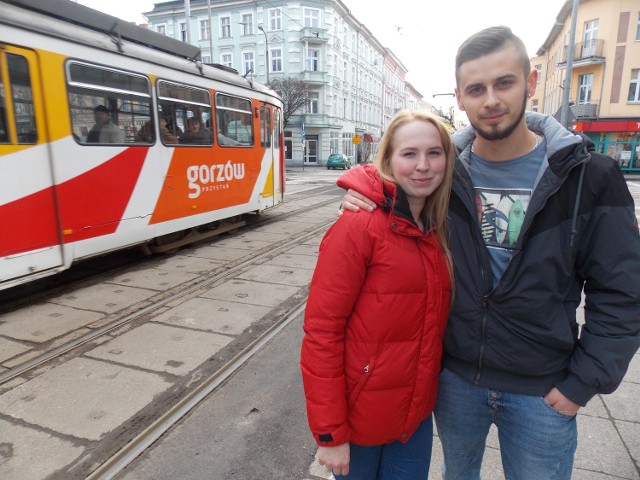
(605, 76)
(355, 84)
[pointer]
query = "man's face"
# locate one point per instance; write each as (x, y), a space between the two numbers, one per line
(100, 117)
(493, 92)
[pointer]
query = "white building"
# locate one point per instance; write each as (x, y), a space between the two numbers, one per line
(355, 84)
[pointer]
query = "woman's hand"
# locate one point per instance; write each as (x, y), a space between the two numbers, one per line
(354, 201)
(335, 459)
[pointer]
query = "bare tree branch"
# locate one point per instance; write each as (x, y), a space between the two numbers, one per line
(294, 93)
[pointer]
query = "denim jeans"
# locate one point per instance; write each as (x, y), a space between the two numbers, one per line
(395, 460)
(536, 441)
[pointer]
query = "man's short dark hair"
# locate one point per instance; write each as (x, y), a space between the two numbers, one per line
(101, 108)
(488, 41)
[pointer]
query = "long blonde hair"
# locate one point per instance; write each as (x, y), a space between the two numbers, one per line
(437, 204)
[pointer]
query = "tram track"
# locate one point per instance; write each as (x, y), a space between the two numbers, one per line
(176, 293)
(96, 268)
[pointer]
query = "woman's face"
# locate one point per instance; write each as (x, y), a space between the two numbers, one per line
(418, 161)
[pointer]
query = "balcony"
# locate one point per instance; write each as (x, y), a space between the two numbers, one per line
(584, 111)
(314, 77)
(584, 53)
(314, 35)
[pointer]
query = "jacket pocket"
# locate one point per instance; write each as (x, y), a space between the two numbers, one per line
(367, 370)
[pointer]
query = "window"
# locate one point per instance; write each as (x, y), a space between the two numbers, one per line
(161, 29)
(187, 111)
(19, 82)
(183, 32)
(275, 19)
(226, 59)
(276, 59)
(585, 83)
(634, 86)
(539, 70)
(247, 24)
(312, 17)
(204, 29)
(638, 28)
(206, 59)
(225, 27)
(265, 126)
(313, 59)
(590, 38)
(248, 60)
(534, 106)
(234, 121)
(108, 106)
(314, 100)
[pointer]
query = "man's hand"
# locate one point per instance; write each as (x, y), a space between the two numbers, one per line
(354, 201)
(335, 459)
(561, 403)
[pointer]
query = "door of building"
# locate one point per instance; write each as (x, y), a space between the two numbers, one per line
(311, 150)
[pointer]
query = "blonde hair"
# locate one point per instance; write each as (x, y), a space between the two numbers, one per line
(437, 204)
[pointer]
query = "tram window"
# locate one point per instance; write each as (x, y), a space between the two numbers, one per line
(109, 106)
(265, 126)
(187, 112)
(22, 98)
(276, 128)
(234, 121)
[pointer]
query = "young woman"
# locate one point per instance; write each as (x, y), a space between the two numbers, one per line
(377, 310)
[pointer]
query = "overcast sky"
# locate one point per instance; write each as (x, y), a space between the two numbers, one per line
(424, 35)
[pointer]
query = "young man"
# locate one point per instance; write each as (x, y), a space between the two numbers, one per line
(536, 218)
(104, 130)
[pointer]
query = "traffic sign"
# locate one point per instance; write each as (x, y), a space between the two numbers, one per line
(303, 133)
(356, 139)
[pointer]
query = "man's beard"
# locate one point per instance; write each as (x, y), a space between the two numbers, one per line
(501, 134)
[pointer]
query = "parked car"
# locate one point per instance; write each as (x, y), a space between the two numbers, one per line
(338, 160)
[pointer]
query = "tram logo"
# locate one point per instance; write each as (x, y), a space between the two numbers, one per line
(203, 176)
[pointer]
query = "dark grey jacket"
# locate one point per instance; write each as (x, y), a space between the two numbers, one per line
(580, 231)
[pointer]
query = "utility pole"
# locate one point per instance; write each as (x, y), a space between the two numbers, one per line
(564, 112)
(187, 19)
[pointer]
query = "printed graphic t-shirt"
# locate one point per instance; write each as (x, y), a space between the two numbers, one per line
(502, 192)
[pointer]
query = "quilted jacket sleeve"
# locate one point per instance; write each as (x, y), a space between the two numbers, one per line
(345, 253)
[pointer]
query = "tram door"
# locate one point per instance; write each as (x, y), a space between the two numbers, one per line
(29, 231)
(270, 142)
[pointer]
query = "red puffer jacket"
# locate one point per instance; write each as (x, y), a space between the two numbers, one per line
(374, 322)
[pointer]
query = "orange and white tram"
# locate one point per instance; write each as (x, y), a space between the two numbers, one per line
(99, 145)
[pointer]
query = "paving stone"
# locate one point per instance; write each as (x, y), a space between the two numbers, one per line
(85, 398)
(154, 278)
(307, 249)
(255, 293)
(189, 263)
(162, 348)
(106, 298)
(287, 227)
(29, 454)
(630, 433)
(218, 252)
(622, 404)
(278, 275)
(595, 408)
(293, 260)
(221, 316)
(601, 450)
(46, 321)
(9, 349)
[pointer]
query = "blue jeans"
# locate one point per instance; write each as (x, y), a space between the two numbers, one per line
(395, 460)
(536, 441)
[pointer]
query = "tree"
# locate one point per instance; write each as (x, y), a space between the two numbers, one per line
(294, 93)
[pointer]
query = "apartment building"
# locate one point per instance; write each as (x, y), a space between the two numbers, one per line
(355, 83)
(605, 78)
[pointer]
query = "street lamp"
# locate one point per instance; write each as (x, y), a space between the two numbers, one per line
(266, 50)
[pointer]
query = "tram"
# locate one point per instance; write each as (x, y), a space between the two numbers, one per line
(113, 136)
